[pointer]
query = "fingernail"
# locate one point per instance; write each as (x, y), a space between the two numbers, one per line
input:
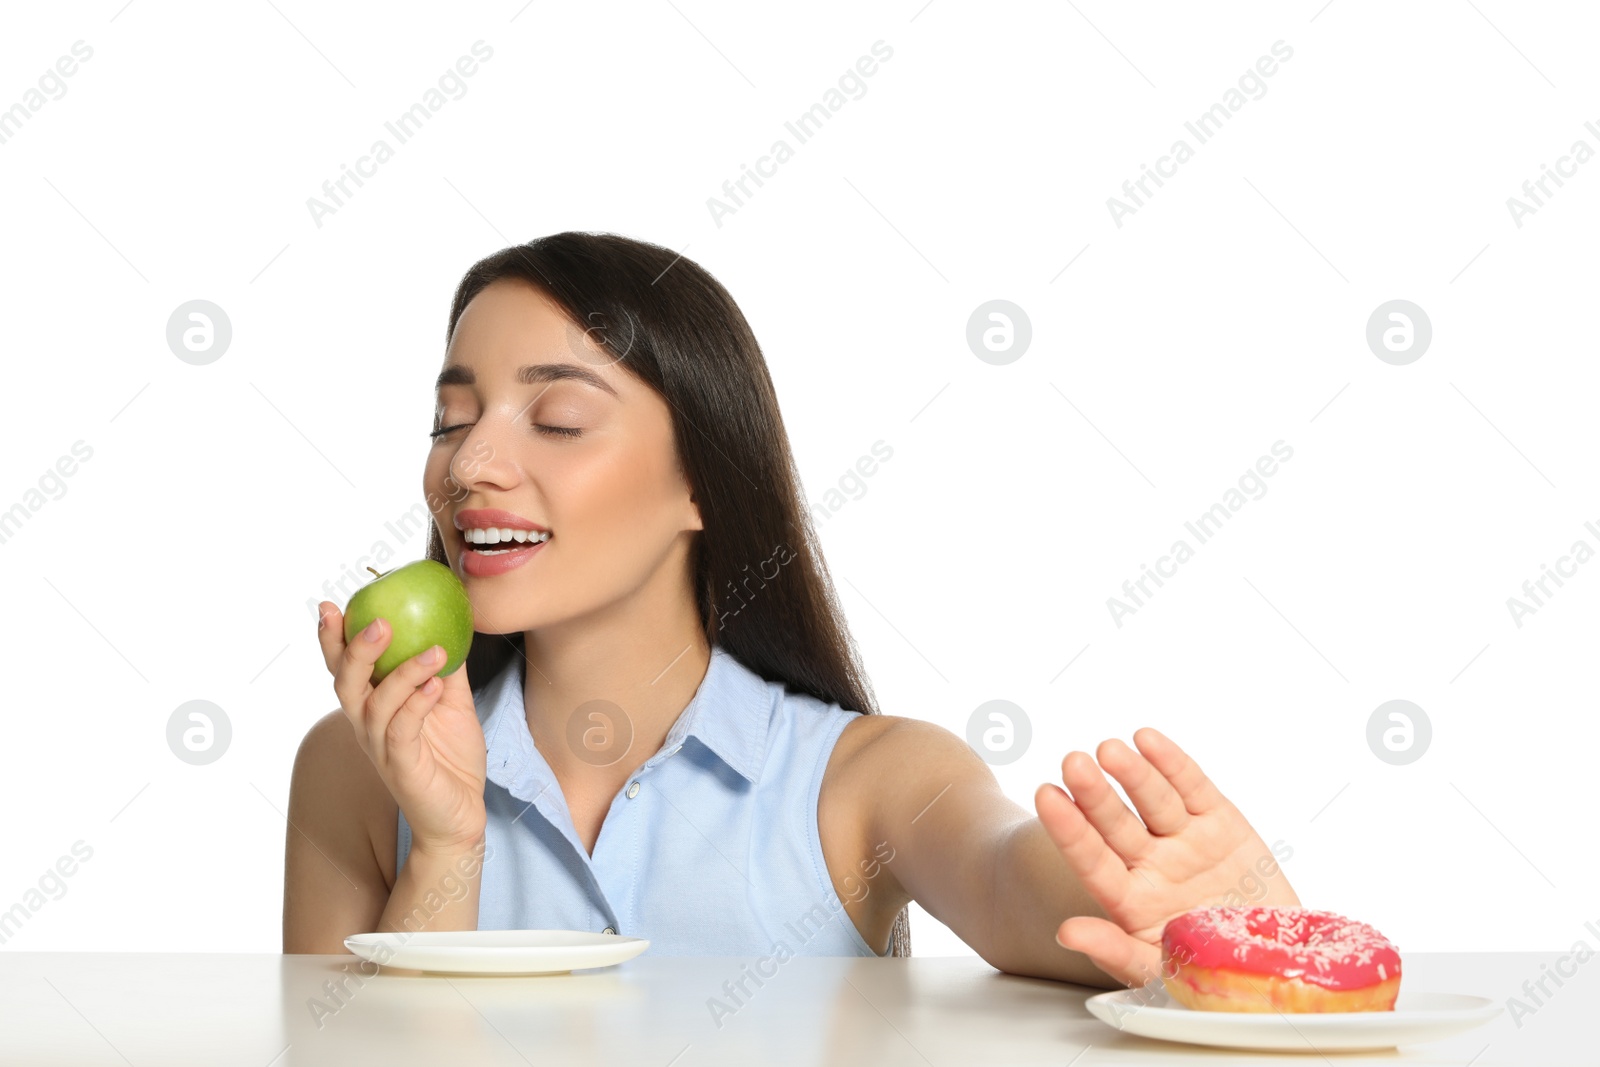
(371, 632)
(436, 653)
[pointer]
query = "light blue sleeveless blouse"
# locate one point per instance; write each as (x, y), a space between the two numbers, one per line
(712, 847)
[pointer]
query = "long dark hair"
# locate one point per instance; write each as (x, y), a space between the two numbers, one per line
(673, 326)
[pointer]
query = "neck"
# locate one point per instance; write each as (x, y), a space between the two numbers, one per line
(601, 693)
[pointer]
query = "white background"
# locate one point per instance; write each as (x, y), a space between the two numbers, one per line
(1227, 314)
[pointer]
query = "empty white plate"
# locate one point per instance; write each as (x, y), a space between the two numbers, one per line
(496, 951)
(1416, 1017)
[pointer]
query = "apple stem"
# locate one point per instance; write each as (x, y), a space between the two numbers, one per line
(375, 573)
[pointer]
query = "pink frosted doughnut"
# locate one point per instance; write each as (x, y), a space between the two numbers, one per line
(1277, 959)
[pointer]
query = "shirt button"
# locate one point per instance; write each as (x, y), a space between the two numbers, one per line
(608, 930)
(633, 790)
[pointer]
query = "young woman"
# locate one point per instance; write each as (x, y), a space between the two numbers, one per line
(662, 729)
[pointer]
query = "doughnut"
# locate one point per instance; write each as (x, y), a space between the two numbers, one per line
(1277, 959)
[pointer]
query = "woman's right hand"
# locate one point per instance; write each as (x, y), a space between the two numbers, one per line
(420, 731)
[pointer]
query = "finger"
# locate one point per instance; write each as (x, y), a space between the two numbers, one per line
(1198, 793)
(1155, 798)
(352, 679)
(406, 725)
(330, 634)
(1103, 808)
(1102, 871)
(392, 693)
(1113, 950)
(457, 686)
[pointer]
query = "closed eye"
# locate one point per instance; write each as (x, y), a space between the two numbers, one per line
(554, 431)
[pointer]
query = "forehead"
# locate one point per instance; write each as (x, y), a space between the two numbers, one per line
(511, 326)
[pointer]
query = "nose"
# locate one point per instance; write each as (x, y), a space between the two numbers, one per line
(484, 459)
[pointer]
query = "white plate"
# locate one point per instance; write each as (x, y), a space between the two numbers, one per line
(496, 951)
(1416, 1017)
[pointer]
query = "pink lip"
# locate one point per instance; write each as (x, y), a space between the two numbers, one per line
(477, 565)
(485, 518)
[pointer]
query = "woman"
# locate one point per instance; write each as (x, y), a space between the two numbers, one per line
(662, 726)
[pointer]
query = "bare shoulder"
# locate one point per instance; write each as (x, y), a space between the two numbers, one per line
(885, 768)
(904, 777)
(335, 795)
(894, 749)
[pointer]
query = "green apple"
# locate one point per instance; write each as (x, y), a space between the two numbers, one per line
(425, 605)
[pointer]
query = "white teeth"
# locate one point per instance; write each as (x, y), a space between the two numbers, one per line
(493, 535)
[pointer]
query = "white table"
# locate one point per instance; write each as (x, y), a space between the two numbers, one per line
(175, 1009)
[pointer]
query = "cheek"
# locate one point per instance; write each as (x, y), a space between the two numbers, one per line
(618, 500)
(439, 489)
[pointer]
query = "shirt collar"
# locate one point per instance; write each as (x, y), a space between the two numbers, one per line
(730, 714)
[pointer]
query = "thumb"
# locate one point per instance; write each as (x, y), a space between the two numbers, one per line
(1112, 949)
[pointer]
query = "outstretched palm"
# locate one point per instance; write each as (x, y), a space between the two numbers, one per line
(1192, 849)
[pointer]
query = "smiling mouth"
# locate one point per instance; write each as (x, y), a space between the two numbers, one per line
(491, 541)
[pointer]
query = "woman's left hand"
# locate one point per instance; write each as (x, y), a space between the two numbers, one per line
(1192, 849)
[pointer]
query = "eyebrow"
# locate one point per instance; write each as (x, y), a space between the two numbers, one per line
(460, 374)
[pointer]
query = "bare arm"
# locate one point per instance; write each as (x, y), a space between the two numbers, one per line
(1035, 892)
(334, 883)
(436, 891)
(413, 740)
(976, 860)
(1082, 892)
